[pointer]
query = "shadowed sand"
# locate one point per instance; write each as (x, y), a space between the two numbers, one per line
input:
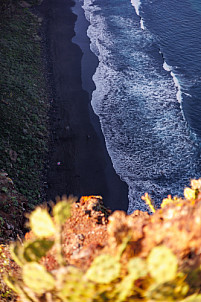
(79, 162)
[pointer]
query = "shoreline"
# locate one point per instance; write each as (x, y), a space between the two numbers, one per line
(79, 163)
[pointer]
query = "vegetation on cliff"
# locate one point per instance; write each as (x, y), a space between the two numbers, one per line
(136, 257)
(23, 122)
(23, 99)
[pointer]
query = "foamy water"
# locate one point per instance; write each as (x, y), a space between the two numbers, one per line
(136, 99)
(178, 36)
(176, 81)
(136, 4)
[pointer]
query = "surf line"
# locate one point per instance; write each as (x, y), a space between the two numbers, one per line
(136, 4)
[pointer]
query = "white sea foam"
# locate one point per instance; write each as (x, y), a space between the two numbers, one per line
(187, 94)
(176, 81)
(165, 65)
(145, 133)
(136, 4)
(178, 86)
(142, 24)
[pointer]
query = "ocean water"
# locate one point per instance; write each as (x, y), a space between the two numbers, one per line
(148, 91)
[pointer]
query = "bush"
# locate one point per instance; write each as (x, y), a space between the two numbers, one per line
(108, 278)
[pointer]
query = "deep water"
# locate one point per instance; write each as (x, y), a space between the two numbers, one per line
(148, 92)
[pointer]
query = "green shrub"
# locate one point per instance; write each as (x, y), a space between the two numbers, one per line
(155, 278)
(24, 102)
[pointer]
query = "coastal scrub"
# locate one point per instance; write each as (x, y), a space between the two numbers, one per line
(132, 265)
(23, 100)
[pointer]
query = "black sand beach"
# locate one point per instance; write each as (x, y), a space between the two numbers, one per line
(78, 159)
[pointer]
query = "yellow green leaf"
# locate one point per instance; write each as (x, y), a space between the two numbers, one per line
(62, 211)
(37, 278)
(124, 288)
(104, 269)
(137, 267)
(16, 250)
(162, 264)
(12, 283)
(41, 223)
(192, 298)
(35, 250)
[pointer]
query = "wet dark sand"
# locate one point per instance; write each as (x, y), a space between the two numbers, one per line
(78, 159)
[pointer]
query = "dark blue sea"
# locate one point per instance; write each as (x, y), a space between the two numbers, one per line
(148, 91)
